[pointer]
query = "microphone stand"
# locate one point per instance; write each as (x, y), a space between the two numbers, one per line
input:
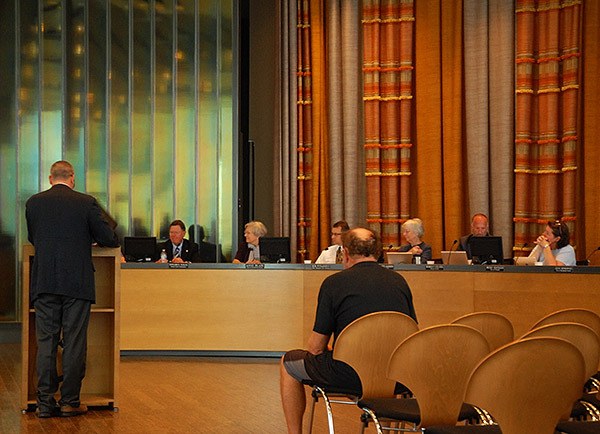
(587, 260)
(451, 250)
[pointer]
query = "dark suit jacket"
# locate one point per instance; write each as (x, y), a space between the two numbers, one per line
(189, 250)
(62, 224)
(243, 252)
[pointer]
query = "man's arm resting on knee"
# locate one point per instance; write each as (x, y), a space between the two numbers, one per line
(317, 343)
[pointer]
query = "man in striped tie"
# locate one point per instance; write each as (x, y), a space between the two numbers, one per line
(179, 250)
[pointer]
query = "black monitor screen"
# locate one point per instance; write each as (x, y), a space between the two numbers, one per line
(139, 249)
(486, 250)
(275, 250)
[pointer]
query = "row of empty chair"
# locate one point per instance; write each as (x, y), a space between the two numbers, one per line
(471, 376)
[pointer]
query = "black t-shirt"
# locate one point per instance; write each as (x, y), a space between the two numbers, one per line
(364, 288)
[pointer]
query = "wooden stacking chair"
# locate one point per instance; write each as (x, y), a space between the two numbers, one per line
(527, 386)
(582, 316)
(580, 335)
(588, 343)
(366, 345)
(434, 364)
(496, 328)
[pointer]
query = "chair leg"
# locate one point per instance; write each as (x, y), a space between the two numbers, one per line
(373, 416)
(328, 408)
(592, 411)
(311, 416)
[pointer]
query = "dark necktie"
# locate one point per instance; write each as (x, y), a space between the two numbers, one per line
(177, 251)
(339, 257)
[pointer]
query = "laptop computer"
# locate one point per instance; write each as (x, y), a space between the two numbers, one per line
(454, 257)
(398, 258)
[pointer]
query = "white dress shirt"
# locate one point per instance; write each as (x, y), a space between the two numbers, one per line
(328, 255)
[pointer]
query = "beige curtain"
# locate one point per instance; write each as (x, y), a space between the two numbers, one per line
(319, 122)
(286, 126)
(489, 112)
(345, 129)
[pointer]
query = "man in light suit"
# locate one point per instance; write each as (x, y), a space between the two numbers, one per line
(178, 249)
(62, 224)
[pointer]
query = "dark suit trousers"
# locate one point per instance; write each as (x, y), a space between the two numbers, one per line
(53, 314)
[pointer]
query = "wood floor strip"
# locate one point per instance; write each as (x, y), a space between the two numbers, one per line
(173, 395)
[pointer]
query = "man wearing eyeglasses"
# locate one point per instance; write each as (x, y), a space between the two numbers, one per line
(333, 254)
(553, 246)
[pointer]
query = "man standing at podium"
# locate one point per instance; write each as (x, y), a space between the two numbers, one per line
(62, 224)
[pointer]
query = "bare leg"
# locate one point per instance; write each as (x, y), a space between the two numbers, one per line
(293, 400)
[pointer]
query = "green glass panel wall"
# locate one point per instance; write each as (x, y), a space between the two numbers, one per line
(96, 115)
(163, 119)
(9, 59)
(138, 96)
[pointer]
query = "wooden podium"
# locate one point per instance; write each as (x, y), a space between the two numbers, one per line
(101, 383)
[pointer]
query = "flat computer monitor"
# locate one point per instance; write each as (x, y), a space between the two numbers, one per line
(275, 250)
(486, 250)
(139, 249)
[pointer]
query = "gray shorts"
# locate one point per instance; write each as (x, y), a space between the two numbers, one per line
(293, 362)
(321, 369)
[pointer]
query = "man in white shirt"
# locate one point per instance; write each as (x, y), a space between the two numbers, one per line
(333, 253)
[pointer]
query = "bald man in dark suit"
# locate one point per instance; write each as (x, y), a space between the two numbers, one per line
(62, 224)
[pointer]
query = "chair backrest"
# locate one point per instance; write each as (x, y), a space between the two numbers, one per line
(580, 335)
(496, 328)
(528, 385)
(366, 345)
(581, 316)
(435, 364)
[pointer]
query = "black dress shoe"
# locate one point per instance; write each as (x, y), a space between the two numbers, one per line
(47, 413)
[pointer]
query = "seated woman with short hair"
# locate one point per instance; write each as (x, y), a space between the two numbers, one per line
(412, 230)
(249, 251)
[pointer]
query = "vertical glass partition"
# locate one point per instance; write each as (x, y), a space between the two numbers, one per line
(138, 96)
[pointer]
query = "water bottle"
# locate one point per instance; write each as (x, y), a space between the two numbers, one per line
(163, 256)
(417, 259)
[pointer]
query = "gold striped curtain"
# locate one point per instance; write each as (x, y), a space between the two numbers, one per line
(388, 29)
(312, 117)
(548, 55)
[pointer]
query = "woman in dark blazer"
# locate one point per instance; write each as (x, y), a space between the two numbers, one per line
(249, 251)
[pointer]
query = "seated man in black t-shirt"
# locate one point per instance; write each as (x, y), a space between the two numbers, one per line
(363, 287)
